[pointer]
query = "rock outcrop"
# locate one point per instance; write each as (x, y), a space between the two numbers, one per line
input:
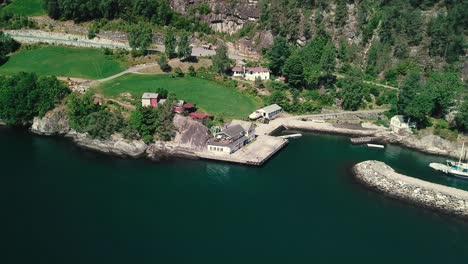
(431, 144)
(225, 16)
(116, 145)
(380, 177)
(55, 122)
(190, 133)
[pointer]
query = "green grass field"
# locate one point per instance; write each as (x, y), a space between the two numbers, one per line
(26, 7)
(85, 63)
(207, 95)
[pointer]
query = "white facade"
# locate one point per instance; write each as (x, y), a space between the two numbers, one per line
(398, 124)
(271, 111)
(252, 76)
(251, 73)
(220, 149)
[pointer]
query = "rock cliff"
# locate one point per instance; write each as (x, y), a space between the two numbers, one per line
(54, 122)
(225, 16)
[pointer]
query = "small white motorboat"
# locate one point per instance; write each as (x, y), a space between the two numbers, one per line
(375, 146)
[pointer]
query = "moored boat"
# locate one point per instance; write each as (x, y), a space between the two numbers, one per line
(457, 169)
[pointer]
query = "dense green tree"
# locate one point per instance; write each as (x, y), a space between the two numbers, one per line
(184, 50)
(277, 55)
(341, 13)
(25, 96)
(221, 61)
(278, 97)
(7, 45)
(461, 119)
(79, 108)
(170, 43)
(443, 88)
(140, 37)
(352, 93)
(293, 70)
(164, 63)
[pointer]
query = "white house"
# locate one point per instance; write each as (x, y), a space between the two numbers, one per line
(150, 99)
(398, 124)
(251, 73)
(268, 112)
(236, 135)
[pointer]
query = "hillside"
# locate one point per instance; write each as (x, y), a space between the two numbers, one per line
(379, 35)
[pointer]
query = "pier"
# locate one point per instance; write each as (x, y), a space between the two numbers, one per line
(256, 153)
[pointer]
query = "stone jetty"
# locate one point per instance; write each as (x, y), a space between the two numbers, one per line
(381, 177)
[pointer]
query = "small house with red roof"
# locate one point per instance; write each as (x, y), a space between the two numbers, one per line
(251, 73)
(200, 116)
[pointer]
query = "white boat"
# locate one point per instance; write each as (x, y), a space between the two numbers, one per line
(291, 136)
(255, 115)
(457, 169)
(375, 146)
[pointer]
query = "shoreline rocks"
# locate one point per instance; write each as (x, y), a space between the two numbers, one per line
(382, 178)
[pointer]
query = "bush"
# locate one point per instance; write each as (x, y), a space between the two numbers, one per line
(441, 128)
(164, 63)
(191, 71)
(178, 72)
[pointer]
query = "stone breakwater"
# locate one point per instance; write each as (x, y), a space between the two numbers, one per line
(381, 177)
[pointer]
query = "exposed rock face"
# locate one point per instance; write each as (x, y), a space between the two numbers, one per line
(116, 145)
(225, 16)
(432, 144)
(54, 122)
(191, 134)
(377, 175)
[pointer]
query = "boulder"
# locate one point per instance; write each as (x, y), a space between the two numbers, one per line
(55, 122)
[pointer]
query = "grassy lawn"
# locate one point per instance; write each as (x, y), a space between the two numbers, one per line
(207, 95)
(85, 63)
(26, 7)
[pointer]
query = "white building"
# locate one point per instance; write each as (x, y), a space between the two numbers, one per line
(150, 99)
(398, 124)
(268, 112)
(236, 135)
(251, 73)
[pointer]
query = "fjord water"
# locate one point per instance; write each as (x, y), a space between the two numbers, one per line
(62, 204)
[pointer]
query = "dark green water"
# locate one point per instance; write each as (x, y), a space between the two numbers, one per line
(61, 204)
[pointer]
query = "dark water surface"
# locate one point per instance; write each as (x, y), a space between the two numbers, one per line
(61, 204)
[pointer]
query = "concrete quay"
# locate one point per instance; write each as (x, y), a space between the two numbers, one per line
(318, 123)
(256, 153)
(382, 178)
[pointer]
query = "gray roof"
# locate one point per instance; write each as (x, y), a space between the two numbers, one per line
(271, 108)
(234, 131)
(225, 143)
(244, 124)
(150, 95)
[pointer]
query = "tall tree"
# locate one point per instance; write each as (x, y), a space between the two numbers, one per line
(140, 37)
(170, 43)
(221, 61)
(278, 55)
(184, 50)
(293, 70)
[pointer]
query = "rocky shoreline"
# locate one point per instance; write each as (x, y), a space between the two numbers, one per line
(382, 178)
(191, 136)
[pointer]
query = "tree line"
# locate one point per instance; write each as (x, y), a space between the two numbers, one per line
(156, 12)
